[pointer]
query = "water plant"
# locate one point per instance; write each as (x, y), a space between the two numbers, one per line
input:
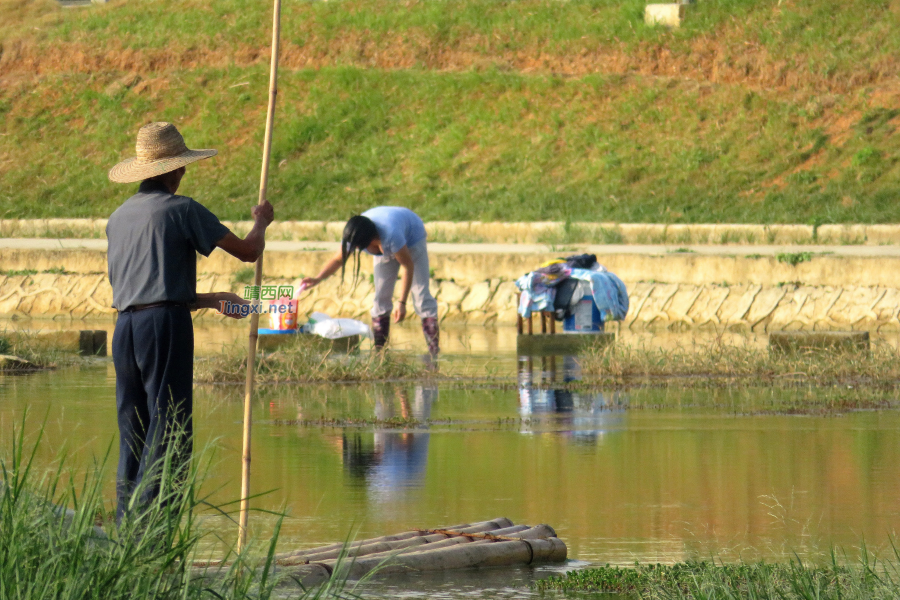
(866, 577)
(50, 551)
(718, 361)
(37, 350)
(309, 359)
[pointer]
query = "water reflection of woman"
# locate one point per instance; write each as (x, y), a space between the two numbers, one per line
(396, 237)
(393, 461)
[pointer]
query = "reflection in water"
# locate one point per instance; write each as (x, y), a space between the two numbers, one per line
(583, 416)
(683, 473)
(387, 462)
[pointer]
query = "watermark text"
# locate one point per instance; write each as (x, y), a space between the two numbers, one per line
(227, 307)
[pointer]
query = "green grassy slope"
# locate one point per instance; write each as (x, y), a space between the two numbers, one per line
(755, 111)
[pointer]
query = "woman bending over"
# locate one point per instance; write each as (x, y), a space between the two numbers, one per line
(395, 236)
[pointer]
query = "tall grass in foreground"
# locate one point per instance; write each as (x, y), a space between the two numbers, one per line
(48, 551)
(703, 363)
(866, 578)
(305, 361)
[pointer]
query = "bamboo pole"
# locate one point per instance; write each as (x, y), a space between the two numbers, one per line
(254, 318)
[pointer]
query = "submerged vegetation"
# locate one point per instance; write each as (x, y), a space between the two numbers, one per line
(720, 363)
(867, 578)
(304, 360)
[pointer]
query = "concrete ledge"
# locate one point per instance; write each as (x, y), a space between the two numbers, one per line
(800, 341)
(549, 232)
(560, 344)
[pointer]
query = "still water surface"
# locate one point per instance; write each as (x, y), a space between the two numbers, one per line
(650, 475)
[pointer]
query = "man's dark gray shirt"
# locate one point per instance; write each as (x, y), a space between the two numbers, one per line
(154, 238)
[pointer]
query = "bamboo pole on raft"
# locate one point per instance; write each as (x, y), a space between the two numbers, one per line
(257, 281)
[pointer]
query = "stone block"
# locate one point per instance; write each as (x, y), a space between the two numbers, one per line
(504, 299)
(92, 342)
(504, 233)
(445, 312)
(764, 305)
(478, 297)
(451, 293)
(883, 235)
(334, 231)
(99, 227)
(668, 15)
(841, 234)
(706, 309)
(685, 234)
(601, 233)
(715, 234)
(788, 234)
(643, 233)
(738, 302)
(309, 230)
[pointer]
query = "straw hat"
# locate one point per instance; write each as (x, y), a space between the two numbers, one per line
(160, 149)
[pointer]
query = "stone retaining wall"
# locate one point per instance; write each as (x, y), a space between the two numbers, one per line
(669, 291)
(680, 306)
(551, 232)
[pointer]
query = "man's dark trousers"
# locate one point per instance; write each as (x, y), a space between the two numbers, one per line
(153, 352)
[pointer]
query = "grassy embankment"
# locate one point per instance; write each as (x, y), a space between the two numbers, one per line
(755, 111)
(867, 578)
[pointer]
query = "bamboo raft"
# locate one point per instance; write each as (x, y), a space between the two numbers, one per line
(494, 543)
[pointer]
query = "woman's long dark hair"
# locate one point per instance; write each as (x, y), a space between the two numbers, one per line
(358, 234)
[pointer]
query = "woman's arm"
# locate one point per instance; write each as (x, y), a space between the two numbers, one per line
(327, 271)
(405, 259)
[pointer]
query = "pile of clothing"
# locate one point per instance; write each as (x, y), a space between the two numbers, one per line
(559, 286)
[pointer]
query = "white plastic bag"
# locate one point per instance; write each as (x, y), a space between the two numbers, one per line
(318, 317)
(333, 329)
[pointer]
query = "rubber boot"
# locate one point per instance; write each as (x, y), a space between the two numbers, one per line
(381, 329)
(432, 335)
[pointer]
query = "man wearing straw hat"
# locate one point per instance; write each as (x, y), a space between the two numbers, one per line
(154, 238)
